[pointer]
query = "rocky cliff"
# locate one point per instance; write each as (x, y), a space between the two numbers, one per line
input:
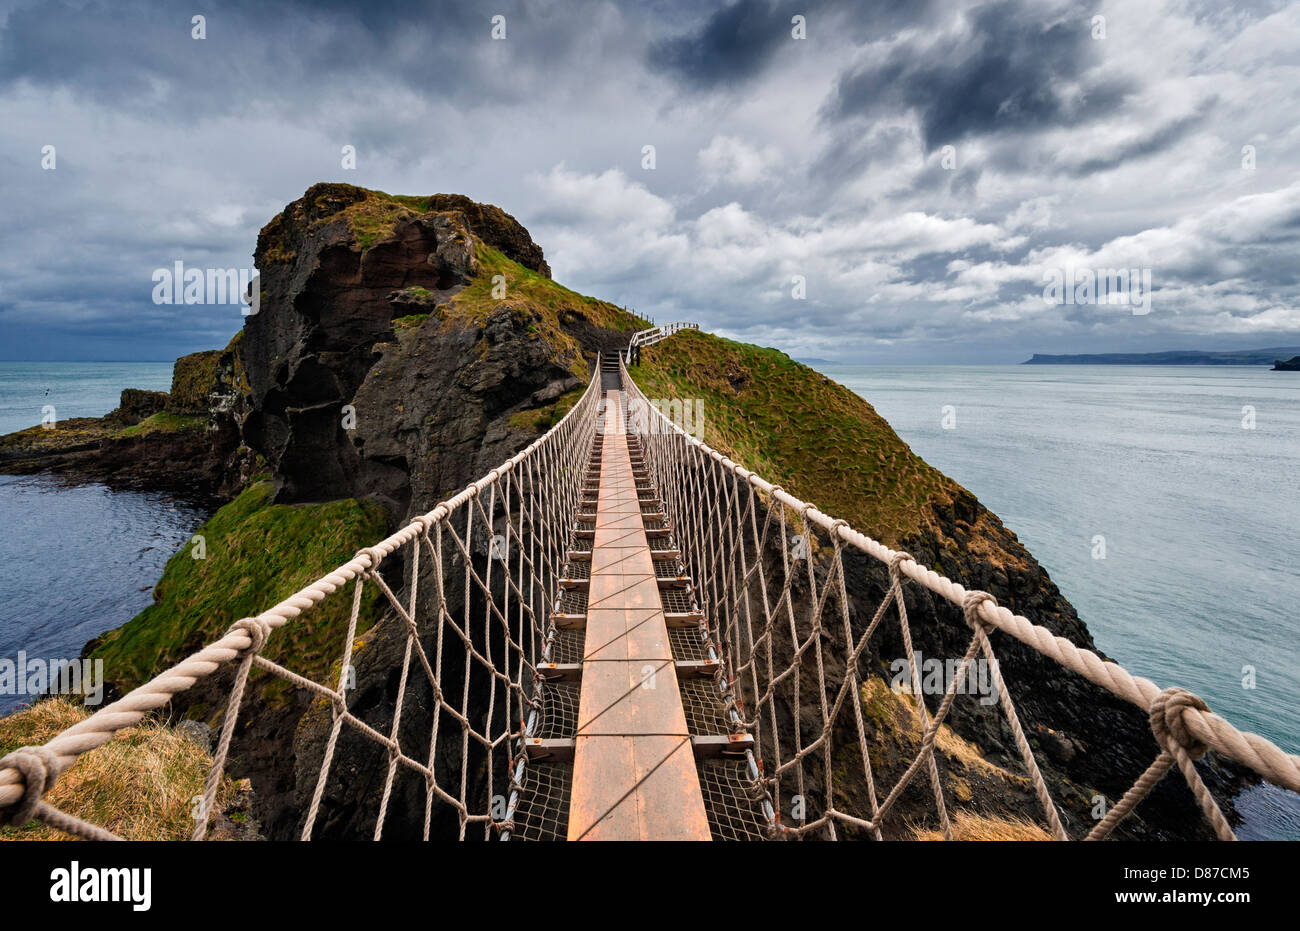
(183, 441)
(381, 364)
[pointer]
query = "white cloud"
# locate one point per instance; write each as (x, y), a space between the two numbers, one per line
(727, 160)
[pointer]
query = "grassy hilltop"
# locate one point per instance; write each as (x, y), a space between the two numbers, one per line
(794, 426)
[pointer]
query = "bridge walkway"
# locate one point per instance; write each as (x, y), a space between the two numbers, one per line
(635, 740)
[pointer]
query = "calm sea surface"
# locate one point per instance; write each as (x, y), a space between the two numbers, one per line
(1200, 516)
(78, 560)
(75, 389)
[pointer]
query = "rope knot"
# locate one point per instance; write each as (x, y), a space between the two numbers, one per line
(423, 523)
(1167, 720)
(896, 561)
(39, 767)
(970, 608)
(504, 825)
(256, 628)
(375, 556)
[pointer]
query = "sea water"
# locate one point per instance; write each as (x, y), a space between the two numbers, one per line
(77, 559)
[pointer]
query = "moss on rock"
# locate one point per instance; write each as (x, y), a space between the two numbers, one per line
(193, 380)
(164, 422)
(549, 309)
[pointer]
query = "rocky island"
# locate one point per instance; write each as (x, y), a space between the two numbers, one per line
(382, 374)
(1172, 357)
(1290, 365)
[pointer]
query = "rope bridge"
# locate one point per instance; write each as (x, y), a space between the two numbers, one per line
(734, 677)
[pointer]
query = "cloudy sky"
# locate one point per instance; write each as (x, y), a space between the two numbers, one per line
(920, 165)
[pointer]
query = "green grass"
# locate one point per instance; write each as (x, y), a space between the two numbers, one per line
(257, 554)
(417, 294)
(374, 219)
(409, 322)
(798, 429)
(544, 305)
(418, 203)
(524, 286)
(541, 419)
(165, 422)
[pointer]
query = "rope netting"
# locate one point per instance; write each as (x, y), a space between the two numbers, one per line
(795, 664)
(479, 584)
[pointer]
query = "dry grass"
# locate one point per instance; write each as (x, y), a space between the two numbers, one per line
(896, 716)
(140, 785)
(970, 826)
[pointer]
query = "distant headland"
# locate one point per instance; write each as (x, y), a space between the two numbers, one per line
(1176, 357)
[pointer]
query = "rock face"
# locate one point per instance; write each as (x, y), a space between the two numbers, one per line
(341, 404)
(138, 445)
(194, 377)
(135, 406)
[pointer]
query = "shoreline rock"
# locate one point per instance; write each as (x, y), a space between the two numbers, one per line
(185, 442)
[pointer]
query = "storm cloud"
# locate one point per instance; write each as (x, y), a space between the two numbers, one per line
(919, 166)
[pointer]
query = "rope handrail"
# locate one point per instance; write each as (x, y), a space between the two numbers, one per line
(1183, 725)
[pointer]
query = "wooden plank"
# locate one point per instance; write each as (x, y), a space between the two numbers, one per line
(560, 672)
(696, 668)
(634, 775)
(728, 745)
(562, 749)
(550, 749)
